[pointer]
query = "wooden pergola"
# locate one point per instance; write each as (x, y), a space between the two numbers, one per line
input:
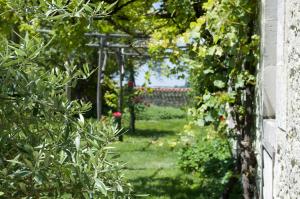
(122, 51)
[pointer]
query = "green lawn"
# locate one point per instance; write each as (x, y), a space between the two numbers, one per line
(151, 157)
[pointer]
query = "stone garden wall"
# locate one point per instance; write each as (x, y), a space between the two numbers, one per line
(175, 97)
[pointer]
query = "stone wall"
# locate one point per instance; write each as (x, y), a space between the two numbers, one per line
(287, 157)
(278, 115)
(175, 97)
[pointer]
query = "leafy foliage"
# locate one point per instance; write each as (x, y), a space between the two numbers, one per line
(208, 157)
(223, 51)
(210, 161)
(221, 57)
(47, 148)
(223, 71)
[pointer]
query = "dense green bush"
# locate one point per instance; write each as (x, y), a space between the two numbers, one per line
(47, 148)
(210, 159)
(159, 113)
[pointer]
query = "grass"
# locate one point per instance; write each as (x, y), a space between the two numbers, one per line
(151, 155)
(154, 112)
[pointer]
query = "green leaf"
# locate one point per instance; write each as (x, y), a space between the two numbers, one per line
(28, 164)
(119, 188)
(20, 52)
(240, 83)
(77, 142)
(208, 5)
(219, 84)
(88, 8)
(86, 70)
(208, 71)
(101, 186)
(206, 97)
(211, 50)
(67, 196)
(209, 118)
(81, 119)
(15, 160)
(219, 51)
(200, 122)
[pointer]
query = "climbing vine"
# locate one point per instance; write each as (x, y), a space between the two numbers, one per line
(221, 59)
(225, 51)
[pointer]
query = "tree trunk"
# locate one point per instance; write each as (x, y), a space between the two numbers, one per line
(247, 124)
(247, 155)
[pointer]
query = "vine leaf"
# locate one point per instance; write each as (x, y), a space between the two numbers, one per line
(219, 84)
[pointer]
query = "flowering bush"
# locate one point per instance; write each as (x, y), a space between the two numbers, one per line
(117, 114)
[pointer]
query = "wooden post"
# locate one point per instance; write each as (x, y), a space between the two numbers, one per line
(120, 99)
(131, 103)
(101, 61)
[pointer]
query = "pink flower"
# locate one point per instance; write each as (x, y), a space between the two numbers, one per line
(117, 114)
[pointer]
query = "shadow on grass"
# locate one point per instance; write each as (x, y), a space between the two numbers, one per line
(181, 186)
(175, 188)
(151, 133)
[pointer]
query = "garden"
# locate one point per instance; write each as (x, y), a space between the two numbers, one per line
(167, 158)
(75, 124)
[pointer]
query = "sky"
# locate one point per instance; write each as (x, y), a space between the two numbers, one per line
(156, 79)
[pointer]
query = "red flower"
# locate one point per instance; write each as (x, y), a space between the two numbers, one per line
(130, 84)
(117, 114)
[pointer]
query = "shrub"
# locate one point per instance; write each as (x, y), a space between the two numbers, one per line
(208, 158)
(47, 148)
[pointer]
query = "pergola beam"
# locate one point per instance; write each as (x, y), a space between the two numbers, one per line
(114, 35)
(130, 54)
(96, 45)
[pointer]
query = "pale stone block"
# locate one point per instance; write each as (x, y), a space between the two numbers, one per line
(279, 160)
(269, 35)
(269, 60)
(281, 96)
(269, 135)
(269, 91)
(281, 71)
(267, 176)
